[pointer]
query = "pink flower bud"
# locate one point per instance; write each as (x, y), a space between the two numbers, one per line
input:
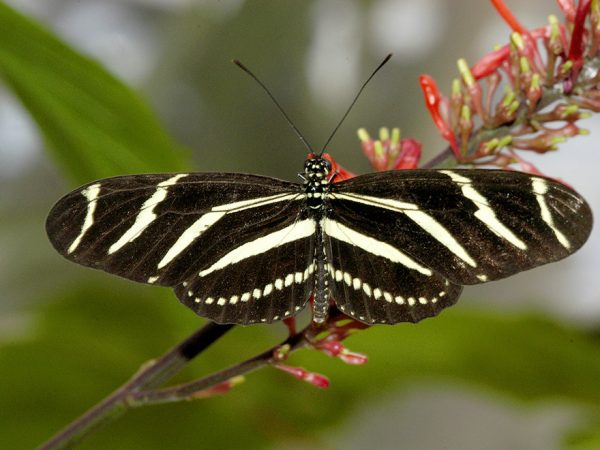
(353, 358)
(335, 349)
(331, 348)
(218, 389)
(432, 102)
(316, 379)
(490, 62)
(410, 155)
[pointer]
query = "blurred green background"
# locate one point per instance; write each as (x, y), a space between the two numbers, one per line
(94, 88)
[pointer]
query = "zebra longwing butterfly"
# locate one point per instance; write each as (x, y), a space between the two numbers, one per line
(387, 247)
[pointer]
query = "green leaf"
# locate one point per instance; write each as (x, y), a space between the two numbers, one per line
(88, 341)
(94, 125)
(585, 438)
(91, 339)
(526, 356)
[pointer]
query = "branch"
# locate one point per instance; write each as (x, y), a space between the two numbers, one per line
(152, 374)
(191, 390)
(141, 389)
(440, 158)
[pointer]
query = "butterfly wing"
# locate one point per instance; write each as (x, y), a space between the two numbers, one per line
(369, 287)
(199, 233)
(421, 230)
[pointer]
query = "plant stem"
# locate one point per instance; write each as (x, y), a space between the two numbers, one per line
(151, 374)
(138, 391)
(438, 159)
(187, 390)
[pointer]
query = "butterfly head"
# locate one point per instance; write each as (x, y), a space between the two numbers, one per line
(316, 180)
(316, 167)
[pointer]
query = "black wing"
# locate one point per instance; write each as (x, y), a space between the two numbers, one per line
(372, 289)
(418, 235)
(213, 237)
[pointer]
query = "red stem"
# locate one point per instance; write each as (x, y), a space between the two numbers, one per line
(566, 6)
(508, 16)
(576, 48)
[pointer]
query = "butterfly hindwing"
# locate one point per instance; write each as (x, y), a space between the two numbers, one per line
(265, 287)
(371, 288)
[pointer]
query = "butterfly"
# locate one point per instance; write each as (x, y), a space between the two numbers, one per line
(386, 247)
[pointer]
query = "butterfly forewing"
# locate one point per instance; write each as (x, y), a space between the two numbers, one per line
(469, 226)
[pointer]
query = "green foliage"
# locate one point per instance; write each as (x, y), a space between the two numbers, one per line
(585, 439)
(80, 354)
(90, 338)
(94, 125)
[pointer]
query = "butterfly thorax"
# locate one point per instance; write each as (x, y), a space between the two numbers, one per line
(316, 181)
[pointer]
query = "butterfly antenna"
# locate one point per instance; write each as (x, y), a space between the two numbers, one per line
(289, 121)
(387, 58)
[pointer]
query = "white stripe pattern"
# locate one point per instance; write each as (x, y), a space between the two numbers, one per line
(190, 235)
(210, 218)
(298, 277)
(146, 215)
(540, 188)
(91, 194)
(298, 230)
(377, 293)
(485, 213)
(424, 220)
(255, 202)
(342, 233)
